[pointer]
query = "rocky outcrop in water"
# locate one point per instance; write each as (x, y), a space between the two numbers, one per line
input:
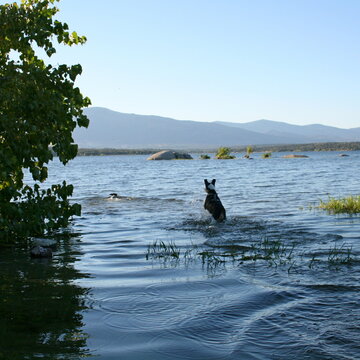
(294, 156)
(43, 242)
(42, 248)
(41, 252)
(170, 155)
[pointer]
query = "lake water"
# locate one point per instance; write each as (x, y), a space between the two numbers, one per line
(277, 280)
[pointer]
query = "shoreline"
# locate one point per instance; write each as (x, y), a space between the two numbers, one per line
(328, 146)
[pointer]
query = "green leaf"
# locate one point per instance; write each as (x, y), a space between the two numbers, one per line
(39, 109)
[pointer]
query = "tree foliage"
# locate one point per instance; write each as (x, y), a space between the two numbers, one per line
(40, 106)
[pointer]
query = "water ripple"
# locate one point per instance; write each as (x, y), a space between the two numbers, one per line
(175, 309)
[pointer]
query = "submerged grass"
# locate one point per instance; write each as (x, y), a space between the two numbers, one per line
(340, 255)
(160, 249)
(275, 253)
(348, 205)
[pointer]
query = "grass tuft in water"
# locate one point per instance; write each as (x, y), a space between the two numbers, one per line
(348, 205)
(313, 261)
(275, 253)
(341, 255)
(160, 249)
(211, 258)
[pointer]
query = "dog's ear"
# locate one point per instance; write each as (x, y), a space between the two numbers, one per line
(213, 181)
(206, 182)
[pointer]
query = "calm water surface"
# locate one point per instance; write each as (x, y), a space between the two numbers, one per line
(277, 280)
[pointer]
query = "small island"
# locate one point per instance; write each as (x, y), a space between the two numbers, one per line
(223, 153)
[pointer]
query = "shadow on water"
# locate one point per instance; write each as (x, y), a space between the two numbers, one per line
(41, 306)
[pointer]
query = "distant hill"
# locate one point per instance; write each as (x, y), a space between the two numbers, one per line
(299, 133)
(111, 129)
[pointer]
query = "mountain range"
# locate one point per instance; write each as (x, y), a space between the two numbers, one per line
(111, 129)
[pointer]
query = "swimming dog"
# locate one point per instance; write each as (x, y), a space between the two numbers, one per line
(212, 202)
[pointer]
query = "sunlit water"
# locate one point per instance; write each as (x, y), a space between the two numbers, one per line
(288, 287)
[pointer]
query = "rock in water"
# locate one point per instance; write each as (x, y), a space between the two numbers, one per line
(40, 252)
(294, 156)
(44, 242)
(170, 155)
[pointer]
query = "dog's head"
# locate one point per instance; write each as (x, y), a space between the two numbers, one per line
(210, 186)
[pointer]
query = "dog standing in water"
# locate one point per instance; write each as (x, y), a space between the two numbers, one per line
(212, 202)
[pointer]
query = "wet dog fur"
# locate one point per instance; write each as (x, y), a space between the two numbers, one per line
(212, 202)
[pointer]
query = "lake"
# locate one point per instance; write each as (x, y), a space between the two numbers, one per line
(151, 276)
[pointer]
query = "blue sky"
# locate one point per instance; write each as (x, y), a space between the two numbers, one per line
(296, 61)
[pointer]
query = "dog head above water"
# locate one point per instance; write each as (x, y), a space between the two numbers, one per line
(210, 186)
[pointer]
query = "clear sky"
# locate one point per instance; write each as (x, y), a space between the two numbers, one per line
(296, 61)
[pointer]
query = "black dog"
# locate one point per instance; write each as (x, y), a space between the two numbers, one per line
(212, 202)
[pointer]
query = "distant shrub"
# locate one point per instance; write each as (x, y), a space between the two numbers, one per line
(204, 157)
(249, 150)
(224, 153)
(266, 155)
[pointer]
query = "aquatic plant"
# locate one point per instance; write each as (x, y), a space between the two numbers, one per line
(275, 252)
(224, 153)
(341, 255)
(348, 205)
(159, 249)
(211, 258)
(313, 261)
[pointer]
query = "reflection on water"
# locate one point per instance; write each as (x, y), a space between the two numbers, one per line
(41, 306)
